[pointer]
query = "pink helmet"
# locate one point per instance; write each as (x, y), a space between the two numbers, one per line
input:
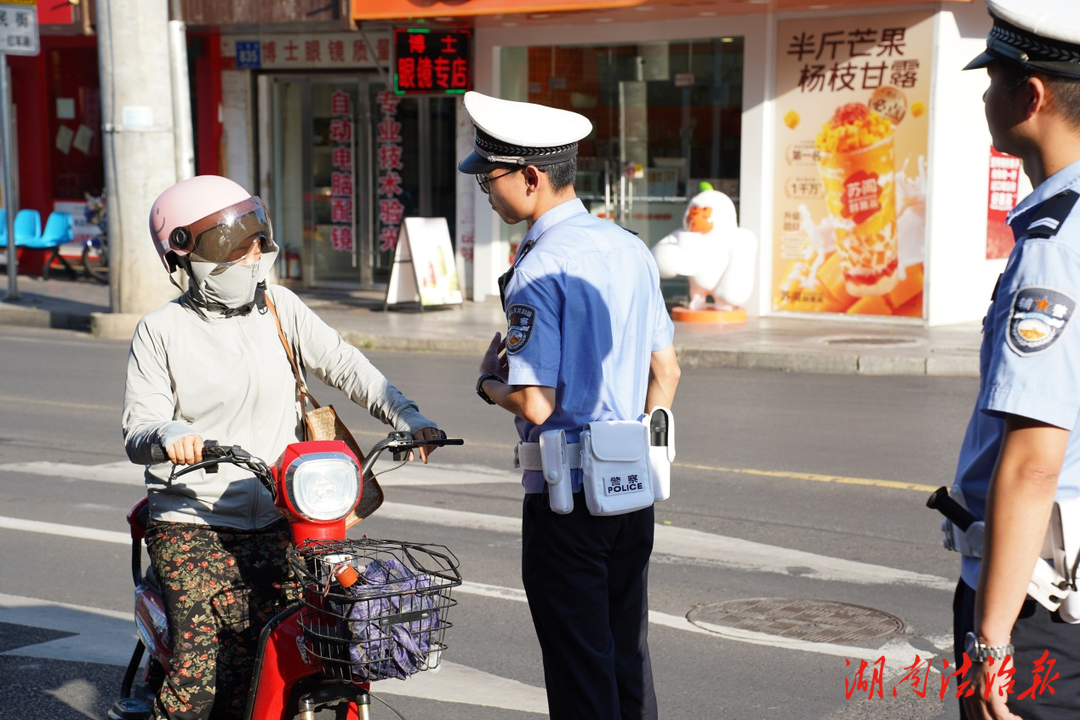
(210, 218)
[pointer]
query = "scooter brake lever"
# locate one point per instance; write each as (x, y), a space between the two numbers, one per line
(239, 453)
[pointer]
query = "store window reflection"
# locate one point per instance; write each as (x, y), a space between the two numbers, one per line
(666, 117)
(350, 161)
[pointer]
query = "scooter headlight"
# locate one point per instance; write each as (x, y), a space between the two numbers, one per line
(323, 486)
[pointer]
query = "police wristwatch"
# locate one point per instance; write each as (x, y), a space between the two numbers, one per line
(480, 386)
(979, 652)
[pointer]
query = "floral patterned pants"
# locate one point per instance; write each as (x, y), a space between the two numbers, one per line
(220, 586)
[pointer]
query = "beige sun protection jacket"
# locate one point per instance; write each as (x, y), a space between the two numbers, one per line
(229, 380)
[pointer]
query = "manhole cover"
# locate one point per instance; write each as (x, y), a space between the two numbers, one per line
(800, 619)
(871, 341)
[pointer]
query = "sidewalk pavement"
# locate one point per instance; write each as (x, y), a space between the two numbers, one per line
(805, 344)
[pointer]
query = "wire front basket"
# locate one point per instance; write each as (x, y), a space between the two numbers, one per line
(392, 622)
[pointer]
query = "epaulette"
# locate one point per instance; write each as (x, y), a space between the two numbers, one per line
(1048, 217)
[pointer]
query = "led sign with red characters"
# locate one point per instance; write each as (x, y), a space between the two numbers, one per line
(432, 61)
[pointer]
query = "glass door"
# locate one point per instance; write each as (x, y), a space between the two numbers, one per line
(321, 179)
(350, 162)
(666, 118)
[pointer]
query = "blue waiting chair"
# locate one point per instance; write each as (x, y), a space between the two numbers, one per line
(59, 230)
(27, 228)
(3, 228)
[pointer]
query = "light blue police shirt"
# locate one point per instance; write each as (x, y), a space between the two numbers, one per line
(1029, 363)
(584, 315)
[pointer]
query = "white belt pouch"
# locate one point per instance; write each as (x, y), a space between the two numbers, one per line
(1064, 537)
(615, 467)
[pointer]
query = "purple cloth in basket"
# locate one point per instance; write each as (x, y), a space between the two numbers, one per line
(401, 649)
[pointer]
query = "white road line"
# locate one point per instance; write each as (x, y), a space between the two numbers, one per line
(120, 473)
(894, 651)
(673, 545)
(108, 638)
(674, 622)
(415, 473)
(68, 531)
(681, 545)
(412, 474)
(460, 684)
(98, 636)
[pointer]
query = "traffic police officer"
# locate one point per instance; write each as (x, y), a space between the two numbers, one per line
(588, 339)
(1022, 447)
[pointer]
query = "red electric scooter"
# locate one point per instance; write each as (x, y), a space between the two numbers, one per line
(369, 609)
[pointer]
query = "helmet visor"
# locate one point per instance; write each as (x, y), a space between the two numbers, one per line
(226, 236)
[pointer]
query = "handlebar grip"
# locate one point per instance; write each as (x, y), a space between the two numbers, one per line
(157, 453)
(956, 513)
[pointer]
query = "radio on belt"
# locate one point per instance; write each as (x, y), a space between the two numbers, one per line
(556, 463)
(661, 450)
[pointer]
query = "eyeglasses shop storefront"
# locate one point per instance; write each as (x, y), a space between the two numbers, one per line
(340, 158)
(851, 145)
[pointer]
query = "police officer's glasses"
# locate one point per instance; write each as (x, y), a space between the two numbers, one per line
(483, 180)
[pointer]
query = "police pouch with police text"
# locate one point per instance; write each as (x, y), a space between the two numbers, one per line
(555, 459)
(615, 465)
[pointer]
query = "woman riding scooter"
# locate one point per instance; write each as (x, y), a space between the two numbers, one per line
(211, 364)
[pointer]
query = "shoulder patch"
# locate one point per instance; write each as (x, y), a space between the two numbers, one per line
(520, 321)
(1048, 217)
(1038, 317)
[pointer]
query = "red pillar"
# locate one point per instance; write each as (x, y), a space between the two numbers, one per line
(205, 51)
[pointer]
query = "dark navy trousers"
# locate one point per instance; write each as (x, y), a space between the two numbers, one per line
(1037, 631)
(587, 582)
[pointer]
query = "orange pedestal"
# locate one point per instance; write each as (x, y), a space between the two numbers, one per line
(708, 315)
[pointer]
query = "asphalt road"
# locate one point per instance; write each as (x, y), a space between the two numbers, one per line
(804, 493)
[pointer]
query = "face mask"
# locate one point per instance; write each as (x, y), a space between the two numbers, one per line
(232, 286)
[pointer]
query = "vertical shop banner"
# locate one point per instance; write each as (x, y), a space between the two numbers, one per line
(852, 100)
(389, 161)
(1002, 195)
(342, 215)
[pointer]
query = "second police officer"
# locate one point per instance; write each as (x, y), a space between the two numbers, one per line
(1022, 448)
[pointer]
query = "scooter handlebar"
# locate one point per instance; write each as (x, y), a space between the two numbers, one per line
(210, 449)
(400, 444)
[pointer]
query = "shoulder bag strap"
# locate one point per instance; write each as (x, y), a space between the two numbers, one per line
(305, 395)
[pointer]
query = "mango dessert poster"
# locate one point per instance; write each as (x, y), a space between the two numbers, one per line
(852, 113)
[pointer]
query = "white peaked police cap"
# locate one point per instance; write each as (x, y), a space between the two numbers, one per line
(1041, 35)
(520, 133)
